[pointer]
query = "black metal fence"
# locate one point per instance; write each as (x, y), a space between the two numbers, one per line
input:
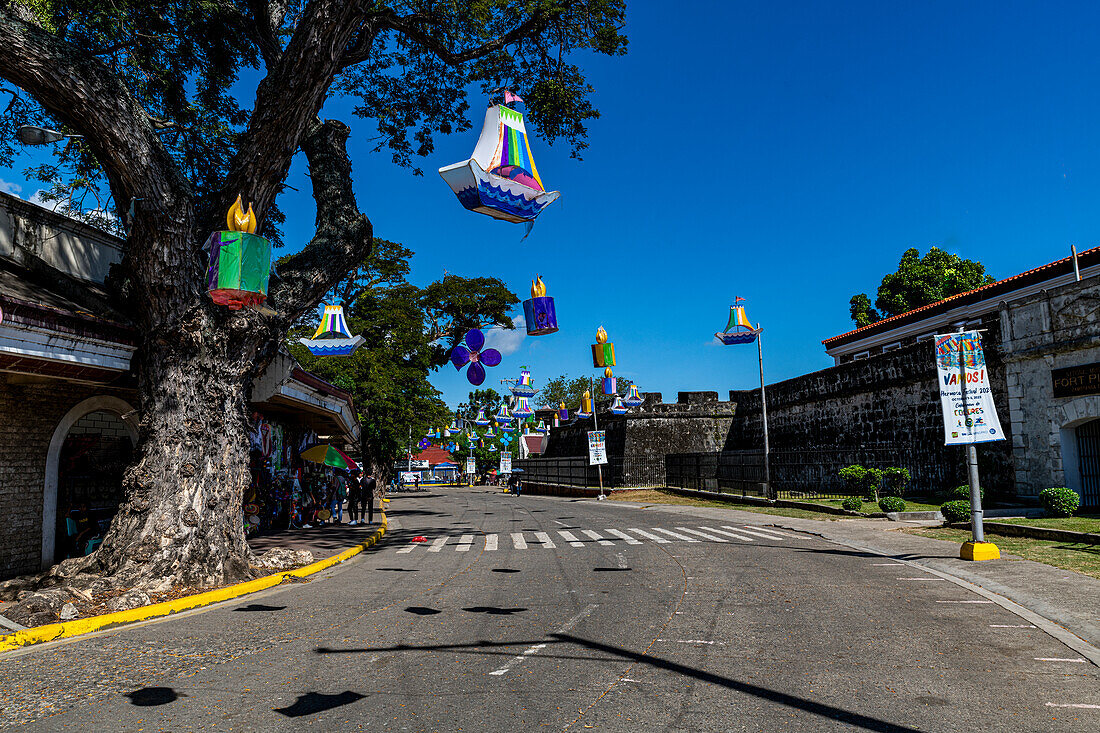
(631, 473)
(729, 472)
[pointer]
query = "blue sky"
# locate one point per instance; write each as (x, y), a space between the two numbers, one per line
(785, 152)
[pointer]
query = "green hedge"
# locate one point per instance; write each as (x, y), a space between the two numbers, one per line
(852, 503)
(891, 504)
(1060, 502)
(956, 511)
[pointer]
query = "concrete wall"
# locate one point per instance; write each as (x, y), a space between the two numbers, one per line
(1054, 329)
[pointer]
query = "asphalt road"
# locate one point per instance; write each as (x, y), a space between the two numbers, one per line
(535, 613)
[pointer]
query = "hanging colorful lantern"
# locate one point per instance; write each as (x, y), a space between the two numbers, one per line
(603, 353)
(633, 399)
(557, 420)
(585, 410)
(617, 406)
(493, 449)
(609, 382)
(523, 388)
(503, 416)
(473, 355)
(481, 419)
(490, 433)
(240, 261)
(563, 411)
(332, 337)
(541, 427)
(522, 408)
(538, 312)
(739, 329)
(500, 178)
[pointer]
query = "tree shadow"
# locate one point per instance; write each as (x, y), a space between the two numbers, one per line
(422, 610)
(494, 610)
(152, 696)
(312, 703)
(258, 607)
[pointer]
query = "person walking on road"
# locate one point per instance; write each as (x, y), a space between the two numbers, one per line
(355, 496)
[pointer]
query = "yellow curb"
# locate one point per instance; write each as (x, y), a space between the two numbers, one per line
(65, 629)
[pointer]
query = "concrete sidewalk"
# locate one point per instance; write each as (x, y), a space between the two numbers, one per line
(324, 541)
(1071, 600)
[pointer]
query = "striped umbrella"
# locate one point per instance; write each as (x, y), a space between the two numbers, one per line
(329, 456)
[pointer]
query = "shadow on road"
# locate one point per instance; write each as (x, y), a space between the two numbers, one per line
(148, 697)
(252, 607)
(422, 610)
(494, 610)
(312, 703)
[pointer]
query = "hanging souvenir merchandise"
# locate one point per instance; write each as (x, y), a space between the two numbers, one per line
(473, 355)
(240, 261)
(603, 353)
(585, 410)
(500, 178)
(609, 382)
(739, 330)
(481, 419)
(538, 312)
(332, 337)
(633, 399)
(617, 406)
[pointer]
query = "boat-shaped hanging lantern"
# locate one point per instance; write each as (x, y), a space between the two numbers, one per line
(523, 388)
(481, 419)
(617, 406)
(633, 399)
(503, 416)
(522, 408)
(500, 178)
(739, 330)
(538, 312)
(332, 337)
(240, 261)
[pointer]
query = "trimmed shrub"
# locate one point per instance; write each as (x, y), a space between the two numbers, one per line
(891, 504)
(852, 503)
(862, 481)
(962, 493)
(956, 511)
(1059, 502)
(894, 481)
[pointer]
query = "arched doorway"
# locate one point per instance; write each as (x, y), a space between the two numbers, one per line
(1088, 461)
(90, 448)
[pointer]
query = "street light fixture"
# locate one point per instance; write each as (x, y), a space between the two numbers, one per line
(31, 135)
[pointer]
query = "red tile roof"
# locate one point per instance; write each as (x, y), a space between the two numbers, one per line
(1043, 272)
(434, 455)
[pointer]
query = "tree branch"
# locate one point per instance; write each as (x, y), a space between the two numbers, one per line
(268, 16)
(409, 27)
(344, 235)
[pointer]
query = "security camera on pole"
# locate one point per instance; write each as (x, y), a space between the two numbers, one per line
(969, 417)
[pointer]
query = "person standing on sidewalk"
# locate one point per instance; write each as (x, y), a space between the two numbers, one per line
(339, 490)
(355, 496)
(367, 496)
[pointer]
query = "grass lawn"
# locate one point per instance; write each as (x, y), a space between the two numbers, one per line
(870, 506)
(656, 496)
(1082, 523)
(1083, 558)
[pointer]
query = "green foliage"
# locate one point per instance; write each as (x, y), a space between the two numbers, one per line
(1059, 502)
(570, 390)
(894, 481)
(962, 493)
(891, 504)
(852, 503)
(956, 511)
(919, 281)
(862, 481)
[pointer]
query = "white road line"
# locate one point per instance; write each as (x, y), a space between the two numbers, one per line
(490, 542)
(1081, 706)
(755, 533)
(623, 536)
(534, 649)
(406, 550)
(438, 544)
(557, 522)
(545, 540)
(518, 541)
(596, 536)
(692, 641)
(465, 542)
(570, 538)
(775, 532)
(964, 601)
(1078, 660)
(741, 537)
(883, 564)
(920, 578)
(649, 536)
(1012, 626)
(675, 535)
(704, 535)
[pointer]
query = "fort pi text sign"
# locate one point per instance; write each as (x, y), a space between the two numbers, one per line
(1076, 381)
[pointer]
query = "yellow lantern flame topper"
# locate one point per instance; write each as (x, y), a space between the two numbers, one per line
(238, 221)
(601, 336)
(538, 288)
(607, 372)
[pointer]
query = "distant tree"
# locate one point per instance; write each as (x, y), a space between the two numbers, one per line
(919, 281)
(570, 390)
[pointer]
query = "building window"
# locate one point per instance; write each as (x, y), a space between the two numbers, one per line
(862, 355)
(891, 347)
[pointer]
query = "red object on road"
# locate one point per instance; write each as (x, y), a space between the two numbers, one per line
(420, 538)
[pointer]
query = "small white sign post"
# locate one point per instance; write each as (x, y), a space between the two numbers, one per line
(505, 462)
(597, 448)
(969, 417)
(471, 465)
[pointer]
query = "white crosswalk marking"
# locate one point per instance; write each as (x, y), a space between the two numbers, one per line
(465, 543)
(545, 540)
(754, 534)
(570, 538)
(729, 534)
(518, 541)
(623, 536)
(596, 536)
(776, 532)
(406, 550)
(704, 535)
(490, 542)
(676, 535)
(438, 544)
(649, 536)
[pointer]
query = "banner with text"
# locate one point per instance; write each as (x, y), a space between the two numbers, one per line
(597, 447)
(471, 465)
(505, 462)
(969, 415)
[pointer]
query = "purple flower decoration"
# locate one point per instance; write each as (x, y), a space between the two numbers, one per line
(472, 354)
(424, 443)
